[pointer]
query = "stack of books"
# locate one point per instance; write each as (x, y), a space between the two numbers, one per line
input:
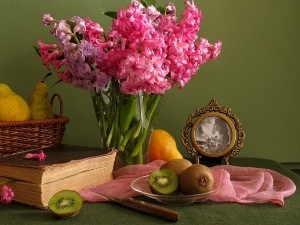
(65, 167)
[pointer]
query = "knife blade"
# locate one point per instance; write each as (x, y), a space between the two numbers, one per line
(145, 207)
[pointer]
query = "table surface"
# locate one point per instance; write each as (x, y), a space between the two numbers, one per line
(196, 213)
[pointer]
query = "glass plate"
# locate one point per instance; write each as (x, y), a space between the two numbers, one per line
(141, 185)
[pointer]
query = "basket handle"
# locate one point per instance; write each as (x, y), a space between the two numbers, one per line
(60, 102)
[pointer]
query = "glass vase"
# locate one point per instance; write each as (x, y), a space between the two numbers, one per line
(125, 121)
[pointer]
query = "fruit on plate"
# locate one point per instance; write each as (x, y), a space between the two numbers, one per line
(176, 165)
(196, 179)
(164, 182)
(162, 146)
(39, 102)
(13, 107)
(65, 203)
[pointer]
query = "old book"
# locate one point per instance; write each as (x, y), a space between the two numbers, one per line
(65, 167)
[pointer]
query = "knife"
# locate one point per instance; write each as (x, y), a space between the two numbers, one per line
(145, 207)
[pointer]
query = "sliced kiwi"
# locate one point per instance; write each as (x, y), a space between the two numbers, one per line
(176, 165)
(163, 181)
(65, 203)
(196, 179)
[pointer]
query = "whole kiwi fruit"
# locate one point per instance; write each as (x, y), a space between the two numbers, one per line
(176, 165)
(196, 179)
(163, 182)
(65, 203)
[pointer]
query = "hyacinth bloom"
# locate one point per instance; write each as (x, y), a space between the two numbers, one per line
(6, 194)
(144, 53)
(39, 156)
(144, 49)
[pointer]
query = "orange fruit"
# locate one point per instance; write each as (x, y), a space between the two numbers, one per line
(162, 146)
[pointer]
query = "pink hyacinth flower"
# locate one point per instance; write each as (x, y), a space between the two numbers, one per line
(39, 156)
(47, 19)
(6, 194)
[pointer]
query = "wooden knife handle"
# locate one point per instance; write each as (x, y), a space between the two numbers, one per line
(151, 209)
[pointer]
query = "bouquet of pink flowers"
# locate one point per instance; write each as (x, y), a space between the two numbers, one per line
(146, 51)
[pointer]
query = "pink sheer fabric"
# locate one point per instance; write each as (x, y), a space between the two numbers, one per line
(234, 184)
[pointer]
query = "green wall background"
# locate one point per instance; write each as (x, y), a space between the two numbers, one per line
(257, 74)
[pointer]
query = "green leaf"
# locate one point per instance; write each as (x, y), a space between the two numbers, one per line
(161, 9)
(111, 14)
(59, 81)
(143, 3)
(37, 50)
(147, 3)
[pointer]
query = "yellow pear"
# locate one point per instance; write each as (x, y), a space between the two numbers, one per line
(13, 107)
(39, 102)
(162, 146)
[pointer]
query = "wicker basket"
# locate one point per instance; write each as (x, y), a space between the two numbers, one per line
(32, 134)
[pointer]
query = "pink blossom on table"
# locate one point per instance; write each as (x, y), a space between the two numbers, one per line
(47, 19)
(6, 194)
(39, 156)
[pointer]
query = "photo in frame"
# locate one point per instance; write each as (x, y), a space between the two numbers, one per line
(212, 132)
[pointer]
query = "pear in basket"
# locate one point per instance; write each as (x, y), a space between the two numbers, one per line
(39, 102)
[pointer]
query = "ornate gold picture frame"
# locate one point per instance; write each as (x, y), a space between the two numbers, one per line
(212, 132)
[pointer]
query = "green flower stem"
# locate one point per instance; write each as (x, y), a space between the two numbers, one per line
(140, 141)
(127, 113)
(138, 159)
(153, 103)
(110, 135)
(100, 116)
(128, 135)
(75, 38)
(138, 130)
(116, 131)
(124, 120)
(119, 138)
(149, 112)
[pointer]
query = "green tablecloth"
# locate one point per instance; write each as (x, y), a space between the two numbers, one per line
(197, 213)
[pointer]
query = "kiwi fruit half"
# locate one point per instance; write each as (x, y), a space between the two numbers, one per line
(65, 203)
(196, 179)
(163, 181)
(176, 165)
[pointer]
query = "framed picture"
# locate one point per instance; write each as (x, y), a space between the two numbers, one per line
(213, 132)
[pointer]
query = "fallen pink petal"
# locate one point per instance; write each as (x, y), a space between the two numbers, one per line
(6, 194)
(39, 156)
